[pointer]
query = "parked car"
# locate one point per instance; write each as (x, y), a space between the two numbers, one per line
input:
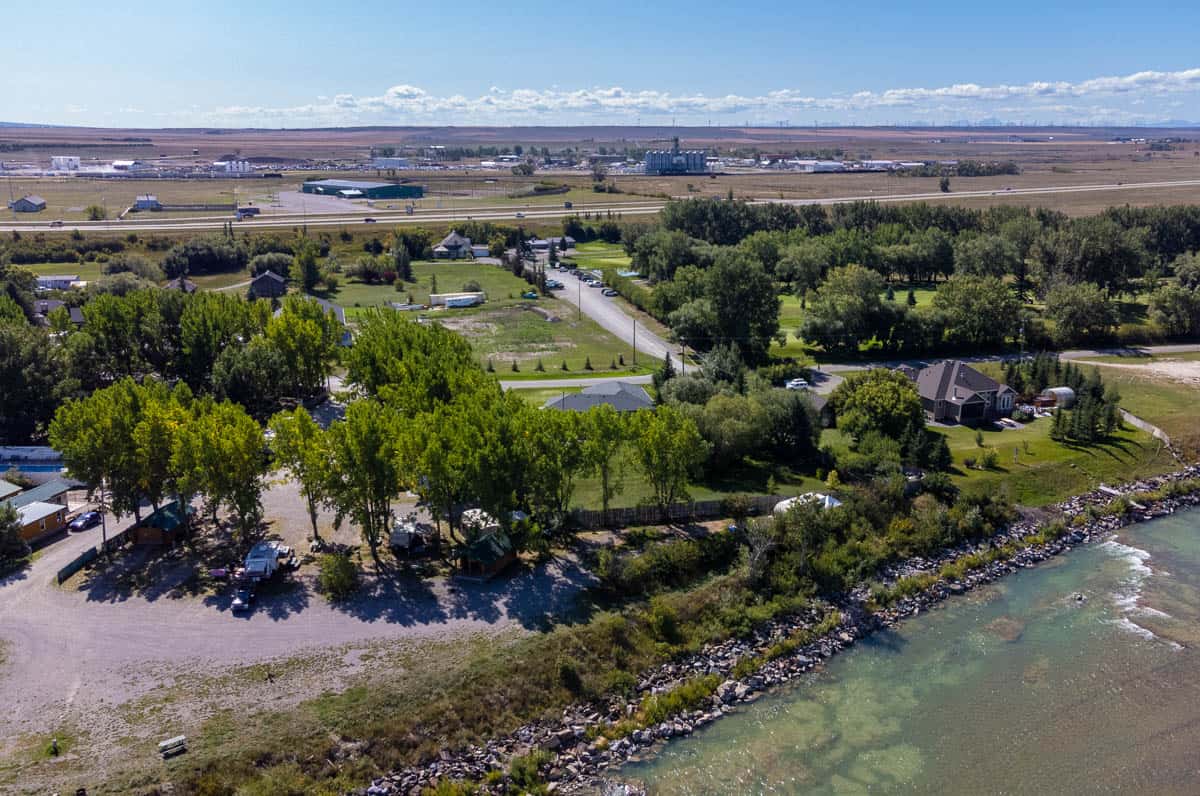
(797, 384)
(529, 294)
(595, 283)
(242, 600)
(88, 519)
(610, 292)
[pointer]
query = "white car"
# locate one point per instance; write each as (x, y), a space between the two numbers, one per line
(797, 384)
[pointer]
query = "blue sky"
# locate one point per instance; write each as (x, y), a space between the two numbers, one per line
(290, 64)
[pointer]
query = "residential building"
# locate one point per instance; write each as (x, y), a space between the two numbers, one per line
(53, 491)
(453, 247)
(354, 189)
(56, 281)
(162, 526)
(41, 519)
(43, 307)
(268, 284)
(952, 391)
(31, 203)
(8, 489)
(181, 284)
(479, 250)
(621, 395)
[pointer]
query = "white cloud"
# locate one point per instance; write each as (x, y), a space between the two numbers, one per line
(1085, 101)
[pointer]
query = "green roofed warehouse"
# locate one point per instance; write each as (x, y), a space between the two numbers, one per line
(359, 189)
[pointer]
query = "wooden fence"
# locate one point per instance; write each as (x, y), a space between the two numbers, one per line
(676, 512)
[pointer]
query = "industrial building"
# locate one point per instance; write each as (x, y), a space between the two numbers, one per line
(28, 204)
(676, 160)
(389, 163)
(64, 162)
(357, 189)
(233, 166)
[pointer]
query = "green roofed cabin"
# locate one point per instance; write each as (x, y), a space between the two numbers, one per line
(360, 189)
(488, 555)
(162, 526)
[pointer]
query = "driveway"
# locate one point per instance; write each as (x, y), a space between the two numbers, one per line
(608, 313)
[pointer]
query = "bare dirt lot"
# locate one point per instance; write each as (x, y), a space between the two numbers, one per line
(113, 664)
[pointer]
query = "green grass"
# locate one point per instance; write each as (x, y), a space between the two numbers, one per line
(539, 395)
(598, 255)
(1047, 471)
(746, 478)
(85, 270)
(1044, 471)
(1170, 405)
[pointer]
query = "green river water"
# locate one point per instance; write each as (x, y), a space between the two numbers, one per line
(1015, 688)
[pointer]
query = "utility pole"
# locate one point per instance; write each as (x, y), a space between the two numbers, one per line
(635, 341)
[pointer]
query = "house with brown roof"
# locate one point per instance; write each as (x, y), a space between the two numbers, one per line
(954, 392)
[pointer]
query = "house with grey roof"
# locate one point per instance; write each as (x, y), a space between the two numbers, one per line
(182, 284)
(268, 284)
(453, 247)
(954, 392)
(620, 395)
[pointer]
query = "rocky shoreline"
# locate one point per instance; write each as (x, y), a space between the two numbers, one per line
(578, 761)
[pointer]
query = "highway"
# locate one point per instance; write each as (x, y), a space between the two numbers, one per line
(537, 214)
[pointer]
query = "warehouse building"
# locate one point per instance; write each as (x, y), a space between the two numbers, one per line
(357, 189)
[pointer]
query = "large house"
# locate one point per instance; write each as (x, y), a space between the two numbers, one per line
(268, 284)
(953, 392)
(453, 247)
(56, 281)
(620, 395)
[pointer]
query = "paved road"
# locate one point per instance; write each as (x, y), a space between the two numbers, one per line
(608, 313)
(499, 214)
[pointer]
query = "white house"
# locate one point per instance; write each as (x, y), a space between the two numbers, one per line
(56, 281)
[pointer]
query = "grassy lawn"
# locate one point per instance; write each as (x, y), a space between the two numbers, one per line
(749, 478)
(599, 255)
(539, 395)
(506, 328)
(86, 271)
(1045, 471)
(1039, 470)
(1170, 405)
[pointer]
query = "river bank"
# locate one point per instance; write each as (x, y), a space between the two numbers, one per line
(580, 751)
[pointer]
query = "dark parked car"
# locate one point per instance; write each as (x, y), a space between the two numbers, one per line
(242, 600)
(88, 519)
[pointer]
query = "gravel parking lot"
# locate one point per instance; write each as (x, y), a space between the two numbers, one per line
(78, 653)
